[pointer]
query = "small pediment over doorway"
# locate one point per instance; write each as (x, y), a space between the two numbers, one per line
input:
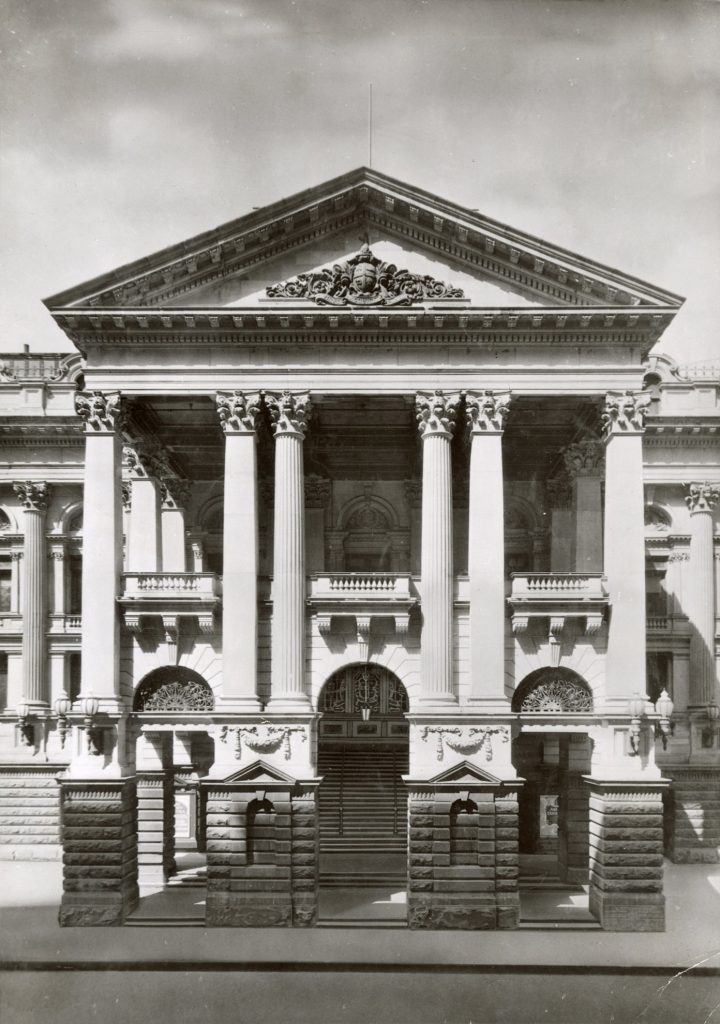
(260, 773)
(467, 773)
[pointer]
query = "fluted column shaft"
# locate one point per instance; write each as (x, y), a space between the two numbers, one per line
(704, 690)
(486, 414)
(436, 414)
(102, 545)
(238, 414)
(624, 548)
(289, 413)
(34, 498)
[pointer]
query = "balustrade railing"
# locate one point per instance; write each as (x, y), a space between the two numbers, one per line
(170, 584)
(350, 586)
(369, 581)
(557, 585)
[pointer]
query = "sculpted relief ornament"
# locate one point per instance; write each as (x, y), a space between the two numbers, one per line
(624, 412)
(465, 740)
(263, 739)
(238, 411)
(486, 411)
(99, 411)
(34, 497)
(702, 497)
(364, 280)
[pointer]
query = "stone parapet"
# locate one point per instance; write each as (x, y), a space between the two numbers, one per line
(463, 858)
(29, 813)
(99, 838)
(626, 855)
(693, 815)
(262, 855)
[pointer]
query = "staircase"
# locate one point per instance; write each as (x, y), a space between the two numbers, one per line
(363, 801)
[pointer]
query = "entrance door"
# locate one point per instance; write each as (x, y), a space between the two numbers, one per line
(362, 756)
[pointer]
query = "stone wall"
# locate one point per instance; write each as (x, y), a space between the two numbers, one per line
(262, 855)
(463, 873)
(99, 839)
(626, 856)
(693, 815)
(156, 827)
(29, 813)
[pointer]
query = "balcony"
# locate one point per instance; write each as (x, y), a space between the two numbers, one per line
(362, 596)
(559, 597)
(172, 596)
(65, 624)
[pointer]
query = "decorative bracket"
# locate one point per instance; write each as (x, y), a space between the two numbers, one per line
(362, 625)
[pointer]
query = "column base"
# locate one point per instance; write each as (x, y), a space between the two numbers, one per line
(438, 702)
(289, 703)
(240, 705)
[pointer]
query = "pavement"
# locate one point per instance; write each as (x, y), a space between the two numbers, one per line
(379, 971)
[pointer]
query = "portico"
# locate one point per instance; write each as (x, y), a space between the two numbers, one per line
(389, 459)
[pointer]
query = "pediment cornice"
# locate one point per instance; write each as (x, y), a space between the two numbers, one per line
(365, 199)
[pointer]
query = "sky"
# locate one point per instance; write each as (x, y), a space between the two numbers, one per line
(128, 125)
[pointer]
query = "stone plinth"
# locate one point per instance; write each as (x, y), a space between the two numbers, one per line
(99, 839)
(694, 815)
(262, 855)
(626, 855)
(463, 858)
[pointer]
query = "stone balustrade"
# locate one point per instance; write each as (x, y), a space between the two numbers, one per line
(549, 585)
(558, 596)
(174, 585)
(362, 596)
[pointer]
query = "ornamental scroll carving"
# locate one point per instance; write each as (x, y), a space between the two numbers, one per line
(100, 412)
(237, 411)
(558, 696)
(34, 497)
(176, 696)
(364, 280)
(465, 740)
(624, 412)
(583, 458)
(263, 739)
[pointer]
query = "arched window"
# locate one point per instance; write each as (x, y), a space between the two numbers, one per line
(464, 824)
(261, 839)
(356, 687)
(553, 690)
(173, 688)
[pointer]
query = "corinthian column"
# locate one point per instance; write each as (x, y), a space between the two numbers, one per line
(486, 414)
(145, 540)
(436, 416)
(623, 426)
(238, 414)
(701, 500)
(289, 414)
(102, 546)
(34, 499)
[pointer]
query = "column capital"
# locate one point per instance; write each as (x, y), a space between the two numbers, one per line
(624, 413)
(290, 412)
(238, 411)
(584, 458)
(34, 496)
(486, 411)
(146, 458)
(101, 411)
(435, 412)
(702, 497)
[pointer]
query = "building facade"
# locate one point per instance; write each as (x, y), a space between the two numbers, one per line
(362, 524)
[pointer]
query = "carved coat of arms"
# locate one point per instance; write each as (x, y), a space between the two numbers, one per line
(364, 280)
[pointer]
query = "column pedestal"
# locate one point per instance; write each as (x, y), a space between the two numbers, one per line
(626, 855)
(99, 839)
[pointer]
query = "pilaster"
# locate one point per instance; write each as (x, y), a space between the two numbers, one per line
(238, 414)
(34, 499)
(486, 414)
(701, 500)
(102, 546)
(583, 463)
(145, 539)
(624, 547)
(289, 412)
(175, 497)
(436, 422)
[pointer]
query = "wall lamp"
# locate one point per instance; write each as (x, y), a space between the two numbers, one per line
(62, 709)
(365, 712)
(27, 729)
(638, 707)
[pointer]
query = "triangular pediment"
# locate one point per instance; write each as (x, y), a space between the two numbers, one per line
(261, 773)
(490, 263)
(466, 772)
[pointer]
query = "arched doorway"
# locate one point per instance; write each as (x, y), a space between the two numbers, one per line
(554, 802)
(170, 798)
(362, 755)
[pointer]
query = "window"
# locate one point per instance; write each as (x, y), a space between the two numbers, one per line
(75, 587)
(3, 681)
(659, 674)
(74, 675)
(5, 587)
(656, 595)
